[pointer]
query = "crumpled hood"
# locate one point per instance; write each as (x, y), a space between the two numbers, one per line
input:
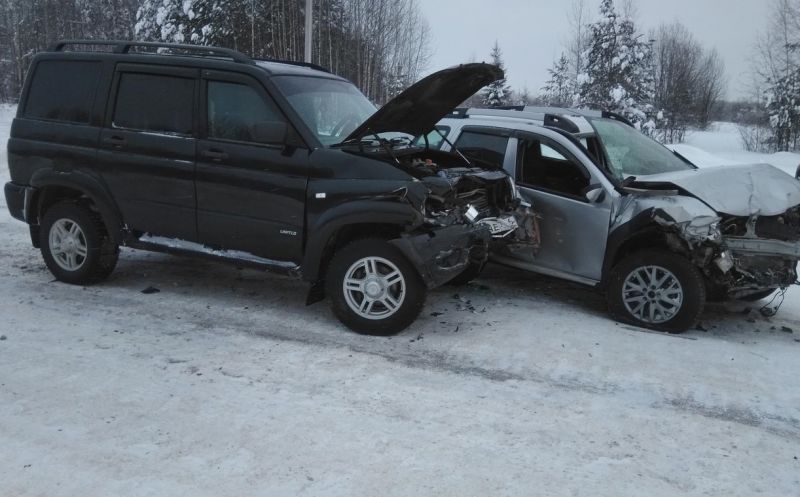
(747, 190)
(417, 110)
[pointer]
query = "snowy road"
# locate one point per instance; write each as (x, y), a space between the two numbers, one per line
(224, 383)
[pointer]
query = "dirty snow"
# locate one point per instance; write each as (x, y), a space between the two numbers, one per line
(224, 383)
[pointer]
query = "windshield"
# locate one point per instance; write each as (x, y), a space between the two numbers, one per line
(331, 109)
(630, 153)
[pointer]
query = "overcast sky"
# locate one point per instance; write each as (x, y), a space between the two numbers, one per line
(531, 32)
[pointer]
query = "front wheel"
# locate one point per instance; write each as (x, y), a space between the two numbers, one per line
(373, 288)
(657, 289)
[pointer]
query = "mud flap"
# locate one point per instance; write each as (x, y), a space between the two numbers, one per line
(442, 254)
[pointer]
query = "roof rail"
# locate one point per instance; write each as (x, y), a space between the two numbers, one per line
(310, 65)
(124, 47)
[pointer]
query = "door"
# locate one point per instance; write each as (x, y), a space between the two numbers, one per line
(574, 230)
(147, 148)
(251, 172)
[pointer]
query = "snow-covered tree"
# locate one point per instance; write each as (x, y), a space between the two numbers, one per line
(498, 93)
(783, 107)
(559, 89)
(200, 22)
(619, 69)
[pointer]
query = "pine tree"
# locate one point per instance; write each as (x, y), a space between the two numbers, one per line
(619, 69)
(783, 108)
(559, 89)
(498, 93)
(200, 22)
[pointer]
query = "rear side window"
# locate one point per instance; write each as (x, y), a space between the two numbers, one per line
(156, 103)
(488, 148)
(63, 91)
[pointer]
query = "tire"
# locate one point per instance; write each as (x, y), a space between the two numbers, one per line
(472, 272)
(755, 297)
(680, 281)
(370, 262)
(75, 244)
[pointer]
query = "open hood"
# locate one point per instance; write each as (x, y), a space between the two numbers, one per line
(426, 102)
(747, 190)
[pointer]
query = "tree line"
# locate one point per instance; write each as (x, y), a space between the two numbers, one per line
(663, 81)
(380, 45)
(776, 82)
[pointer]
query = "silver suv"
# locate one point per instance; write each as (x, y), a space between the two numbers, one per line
(619, 211)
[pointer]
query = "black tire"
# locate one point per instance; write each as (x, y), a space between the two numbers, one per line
(692, 290)
(755, 297)
(101, 251)
(472, 272)
(344, 261)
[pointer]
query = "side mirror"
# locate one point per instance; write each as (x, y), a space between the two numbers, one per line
(797, 173)
(594, 193)
(270, 132)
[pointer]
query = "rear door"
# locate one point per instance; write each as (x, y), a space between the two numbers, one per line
(251, 178)
(147, 148)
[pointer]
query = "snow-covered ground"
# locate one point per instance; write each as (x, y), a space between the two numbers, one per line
(721, 145)
(224, 383)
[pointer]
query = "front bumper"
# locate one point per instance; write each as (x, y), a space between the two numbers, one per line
(758, 264)
(17, 200)
(759, 246)
(442, 254)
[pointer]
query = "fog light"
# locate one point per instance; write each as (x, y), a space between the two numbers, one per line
(724, 262)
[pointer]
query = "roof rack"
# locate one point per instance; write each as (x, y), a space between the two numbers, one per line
(310, 65)
(124, 47)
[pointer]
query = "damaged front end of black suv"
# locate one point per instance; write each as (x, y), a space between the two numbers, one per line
(464, 207)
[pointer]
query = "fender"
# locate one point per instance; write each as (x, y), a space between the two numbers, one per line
(85, 183)
(392, 212)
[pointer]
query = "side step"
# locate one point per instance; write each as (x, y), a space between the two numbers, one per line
(182, 247)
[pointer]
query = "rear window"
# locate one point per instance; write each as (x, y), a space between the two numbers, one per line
(63, 91)
(488, 148)
(156, 103)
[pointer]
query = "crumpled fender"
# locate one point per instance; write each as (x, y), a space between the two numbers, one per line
(442, 254)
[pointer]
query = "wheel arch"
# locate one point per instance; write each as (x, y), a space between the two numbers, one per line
(52, 187)
(351, 221)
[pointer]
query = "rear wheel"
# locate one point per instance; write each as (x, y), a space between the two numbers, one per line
(75, 244)
(657, 289)
(373, 289)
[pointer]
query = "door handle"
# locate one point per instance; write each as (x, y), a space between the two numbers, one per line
(115, 141)
(214, 155)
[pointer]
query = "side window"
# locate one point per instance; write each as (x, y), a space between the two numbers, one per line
(435, 138)
(544, 166)
(63, 91)
(238, 112)
(155, 103)
(485, 147)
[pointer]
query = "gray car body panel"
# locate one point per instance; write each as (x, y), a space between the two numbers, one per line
(575, 234)
(746, 190)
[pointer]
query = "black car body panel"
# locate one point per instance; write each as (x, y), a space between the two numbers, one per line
(287, 204)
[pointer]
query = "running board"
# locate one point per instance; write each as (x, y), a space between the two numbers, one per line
(182, 247)
(518, 264)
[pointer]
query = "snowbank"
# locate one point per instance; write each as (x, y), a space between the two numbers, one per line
(721, 145)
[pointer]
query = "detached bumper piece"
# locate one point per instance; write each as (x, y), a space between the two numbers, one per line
(441, 255)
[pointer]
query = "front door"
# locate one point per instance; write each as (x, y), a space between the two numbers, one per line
(574, 230)
(251, 180)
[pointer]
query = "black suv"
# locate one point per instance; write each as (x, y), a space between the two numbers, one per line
(280, 165)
